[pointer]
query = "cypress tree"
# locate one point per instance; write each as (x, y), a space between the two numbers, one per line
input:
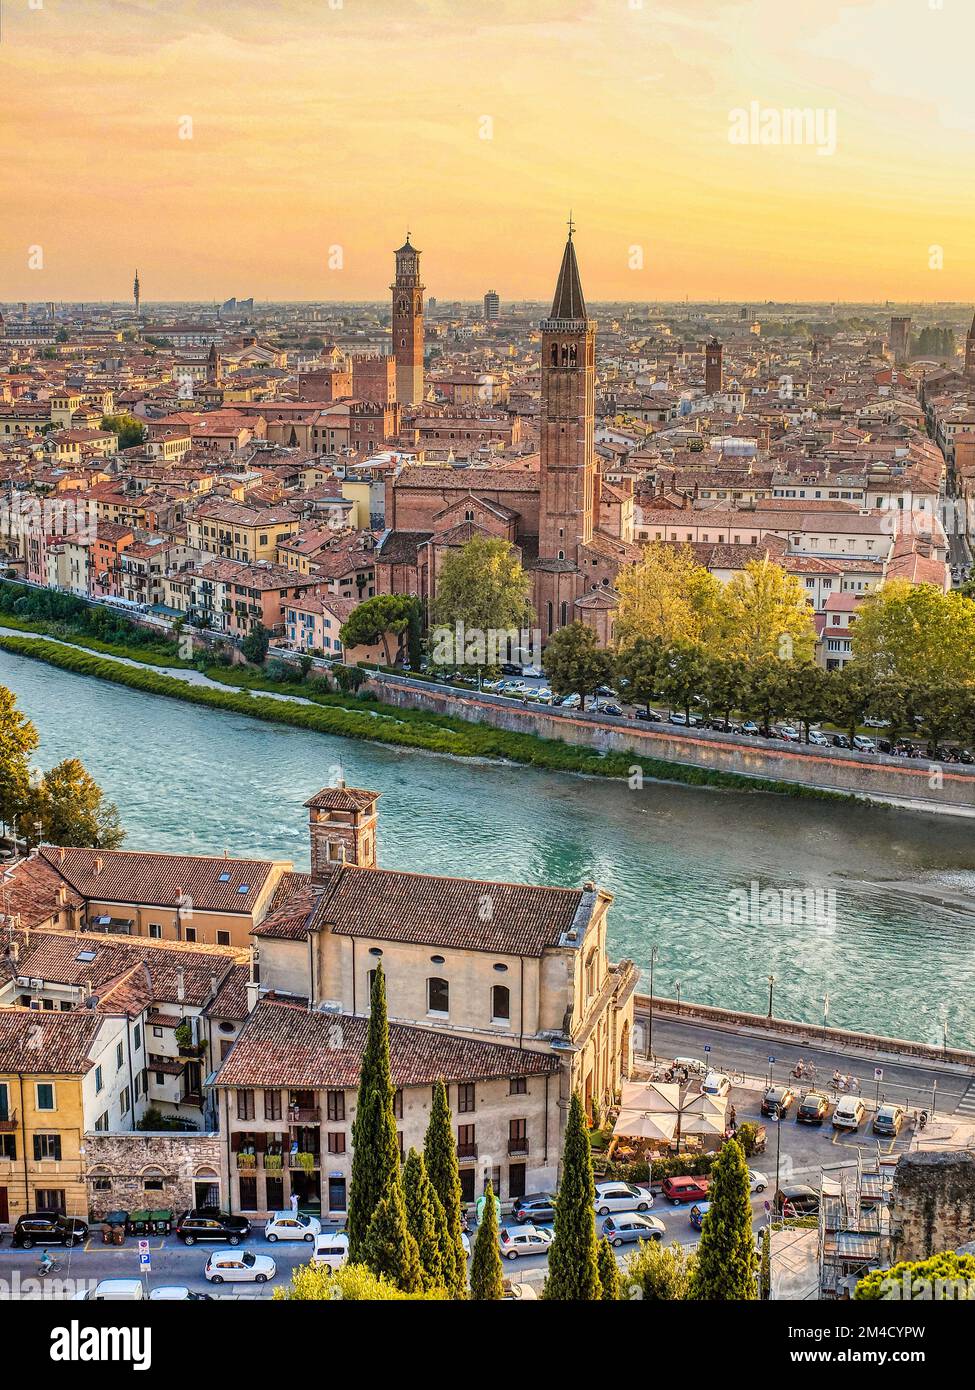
(388, 1249)
(420, 1221)
(440, 1153)
(445, 1245)
(726, 1259)
(573, 1260)
(487, 1281)
(609, 1273)
(375, 1149)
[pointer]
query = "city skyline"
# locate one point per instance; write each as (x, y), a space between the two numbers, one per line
(289, 178)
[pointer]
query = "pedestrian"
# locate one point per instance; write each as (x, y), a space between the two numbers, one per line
(294, 1204)
(733, 1118)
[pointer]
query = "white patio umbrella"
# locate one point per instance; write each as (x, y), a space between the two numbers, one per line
(641, 1124)
(653, 1096)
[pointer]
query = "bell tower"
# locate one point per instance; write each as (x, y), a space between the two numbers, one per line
(408, 325)
(567, 423)
(713, 368)
(970, 353)
(342, 828)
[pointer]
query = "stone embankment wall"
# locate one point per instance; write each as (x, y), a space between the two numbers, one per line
(914, 782)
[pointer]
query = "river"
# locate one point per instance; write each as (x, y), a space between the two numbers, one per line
(873, 906)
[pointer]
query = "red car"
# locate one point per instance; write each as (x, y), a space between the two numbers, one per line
(679, 1190)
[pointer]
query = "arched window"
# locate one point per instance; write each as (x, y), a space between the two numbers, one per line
(469, 514)
(550, 614)
(500, 1004)
(572, 355)
(564, 614)
(565, 354)
(555, 354)
(438, 996)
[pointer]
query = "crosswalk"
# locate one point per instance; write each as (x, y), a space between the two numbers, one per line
(966, 1106)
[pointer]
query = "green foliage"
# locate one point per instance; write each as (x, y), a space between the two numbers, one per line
(18, 739)
(421, 1220)
(380, 618)
(610, 1280)
(726, 1260)
(938, 1279)
(388, 1249)
(573, 1261)
(72, 809)
(440, 1154)
(375, 1152)
(255, 644)
(353, 1283)
(575, 663)
(747, 1136)
(130, 431)
(487, 1280)
(483, 586)
(765, 1270)
(658, 1273)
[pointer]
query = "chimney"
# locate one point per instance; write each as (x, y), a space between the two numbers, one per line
(98, 864)
(180, 985)
(62, 894)
(61, 854)
(253, 990)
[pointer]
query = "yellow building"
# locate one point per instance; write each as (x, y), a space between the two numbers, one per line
(238, 532)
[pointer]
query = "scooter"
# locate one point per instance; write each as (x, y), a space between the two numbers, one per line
(922, 1119)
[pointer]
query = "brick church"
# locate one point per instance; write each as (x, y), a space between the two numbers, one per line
(573, 530)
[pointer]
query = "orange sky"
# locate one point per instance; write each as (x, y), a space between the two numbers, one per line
(337, 123)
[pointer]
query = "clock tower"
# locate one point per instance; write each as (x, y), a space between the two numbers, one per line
(408, 325)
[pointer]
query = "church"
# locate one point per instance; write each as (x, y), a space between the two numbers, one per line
(572, 530)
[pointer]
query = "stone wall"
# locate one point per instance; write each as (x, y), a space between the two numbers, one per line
(127, 1160)
(933, 1204)
(901, 781)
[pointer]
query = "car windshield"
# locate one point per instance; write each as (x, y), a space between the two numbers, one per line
(247, 1258)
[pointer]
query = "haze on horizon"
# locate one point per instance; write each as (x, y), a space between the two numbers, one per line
(322, 124)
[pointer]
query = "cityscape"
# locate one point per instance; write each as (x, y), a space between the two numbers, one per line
(487, 758)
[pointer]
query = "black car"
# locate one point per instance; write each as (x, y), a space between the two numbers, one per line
(650, 716)
(537, 1206)
(208, 1224)
(508, 668)
(797, 1200)
(841, 741)
(49, 1228)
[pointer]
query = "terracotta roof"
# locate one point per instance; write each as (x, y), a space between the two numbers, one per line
(343, 799)
(282, 1044)
(41, 1043)
(31, 891)
(160, 880)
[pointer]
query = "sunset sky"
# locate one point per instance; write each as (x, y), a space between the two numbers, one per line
(338, 123)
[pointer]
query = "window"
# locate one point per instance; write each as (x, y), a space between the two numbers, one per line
(154, 1181)
(119, 1057)
(123, 1103)
(398, 1105)
(155, 930)
(44, 1092)
(518, 1086)
(336, 1142)
(438, 996)
(500, 1004)
(99, 1083)
(137, 1038)
(466, 1146)
(272, 1102)
(335, 1107)
(189, 933)
(101, 1123)
(8, 1146)
(50, 1199)
(245, 1105)
(591, 974)
(248, 1194)
(157, 1032)
(47, 1146)
(465, 1098)
(223, 938)
(4, 1102)
(102, 1184)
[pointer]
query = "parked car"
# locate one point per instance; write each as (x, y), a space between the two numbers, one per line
(178, 1293)
(796, 1200)
(622, 1196)
(48, 1228)
(757, 1182)
(697, 1214)
(628, 1226)
(112, 1291)
(778, 1100)
(788, 732)
(650, 716)
(813, 1108)
(889, 1119)
(230, 1266)
(817, 737)
(678, 1190)
(750, 727)
(204, 1224)
(524, 1240)
(532, 672)
(849, 1113)
(841, 741)
(331, 1250)
(567, 701)
(679, 717)
(716, 1084)
(289, 1225)
(863, 744)
(692, 1065)
(508, 668)
(608, 691)
(607, 707)
(535, 1206)
(876, 723)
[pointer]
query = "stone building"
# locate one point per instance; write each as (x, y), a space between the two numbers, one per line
(131, 1172)
(933, 1204)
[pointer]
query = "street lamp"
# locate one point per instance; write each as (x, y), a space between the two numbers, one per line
(778, 1151)
(771, 985)
(677, 991)
(944, 1037)
(653, 959)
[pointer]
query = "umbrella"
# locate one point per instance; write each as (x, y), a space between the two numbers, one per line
(641, 1124)
(655, 1097)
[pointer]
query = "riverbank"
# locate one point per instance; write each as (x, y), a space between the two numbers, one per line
(363, 717)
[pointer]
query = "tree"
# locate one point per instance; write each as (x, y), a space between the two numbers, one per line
(130, 431)
(421, 1220)
(852, 693)
(487, 1281)
(388, 1249)
(905, 630)
(483, 587)
(440, 1154)
(766, 690)
(767, 614)
(726, 1259)
(683, 673)
(573, 1258)
(72, 809)
(639, 666)
(659, 1273)
(805, 692)
(255, 644)
(375, 1150)
(350, 1284)
(575, 663)
(943, 707)
(18, 739)
(942, 1277)
(668, 595)
(378, 619)
(609, 1273)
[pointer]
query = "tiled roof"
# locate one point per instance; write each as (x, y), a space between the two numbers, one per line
(159, 880)
(31, 891)
(342, 799)
(41, 1043)
(282, 1044)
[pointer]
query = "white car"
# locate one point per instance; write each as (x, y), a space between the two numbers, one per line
(465, 1241)
(524, 1240)
(331, 1250)
(239, 1267)
(863, 744)
(621, 1196)
(716, 1084)
(757, 1182)
(176, 1293)
(818, 738)
(289, 1225)
(112, 1291)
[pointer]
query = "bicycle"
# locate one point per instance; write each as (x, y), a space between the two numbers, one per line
(47, 1267)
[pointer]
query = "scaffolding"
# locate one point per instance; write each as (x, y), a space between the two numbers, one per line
(854, 1224)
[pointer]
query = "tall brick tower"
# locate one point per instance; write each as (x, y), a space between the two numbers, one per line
(568, 468)
(970, 352)
(342, 828)
(137, 296)
(713, 368)
(408, 325)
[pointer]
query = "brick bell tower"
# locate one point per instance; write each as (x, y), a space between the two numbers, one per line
(408, 325)
(342, 828)
(970, 352)
(568, 409)
(713, 368)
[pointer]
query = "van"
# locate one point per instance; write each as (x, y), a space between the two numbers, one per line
(692, 1065)
(114, 1291)
(331, 1250)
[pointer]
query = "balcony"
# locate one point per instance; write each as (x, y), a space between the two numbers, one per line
(8, 1121)
(247, 1163)
(305, 1161)
(304, 1114)
(467, 1151)
(517, 1147)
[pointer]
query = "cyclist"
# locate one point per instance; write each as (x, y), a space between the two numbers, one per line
(45, 1264)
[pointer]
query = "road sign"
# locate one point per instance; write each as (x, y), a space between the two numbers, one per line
(767, 1205)
(707, 1047)
(878, 1073)
(143, 1247)
(771, 1060)
(145, 1264)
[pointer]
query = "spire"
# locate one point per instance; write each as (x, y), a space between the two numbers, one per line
(569, 302)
